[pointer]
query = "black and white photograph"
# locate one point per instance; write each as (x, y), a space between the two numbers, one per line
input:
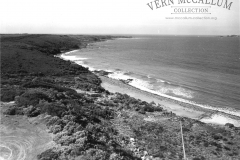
(120, 80)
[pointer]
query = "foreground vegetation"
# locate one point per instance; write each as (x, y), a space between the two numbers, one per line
(96, 124)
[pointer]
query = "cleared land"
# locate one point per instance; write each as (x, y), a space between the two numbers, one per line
(22, 138)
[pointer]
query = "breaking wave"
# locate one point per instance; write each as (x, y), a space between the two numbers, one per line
(159, 87)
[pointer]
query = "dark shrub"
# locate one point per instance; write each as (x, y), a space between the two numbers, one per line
(8, 94)
(229, 125)
(52, 120)
(217, 136)
(227, 148)
(95, 154)
(158, 109)
(148, 108)
(48, 155)
(31, 98)
(205, 144)
(10, 111)
(32, 111)
(42, 84)
(142, 111)
(199, 158)
(13, 110)
(52, 109)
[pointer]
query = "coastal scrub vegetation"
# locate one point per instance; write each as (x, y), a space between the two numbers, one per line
(95, 124)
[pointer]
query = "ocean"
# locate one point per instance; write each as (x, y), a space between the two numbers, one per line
(200, 70)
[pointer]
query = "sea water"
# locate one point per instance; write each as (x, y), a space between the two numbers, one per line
(200, 70)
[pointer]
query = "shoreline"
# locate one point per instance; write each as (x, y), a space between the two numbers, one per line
(180, 108)
(117, 86)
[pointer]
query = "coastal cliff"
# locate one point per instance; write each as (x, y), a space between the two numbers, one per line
(89, 122)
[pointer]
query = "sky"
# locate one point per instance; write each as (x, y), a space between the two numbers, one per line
(113, 17)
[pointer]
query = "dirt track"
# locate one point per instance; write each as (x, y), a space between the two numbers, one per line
(22, 138)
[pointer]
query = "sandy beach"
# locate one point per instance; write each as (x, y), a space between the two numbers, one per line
(179, 108)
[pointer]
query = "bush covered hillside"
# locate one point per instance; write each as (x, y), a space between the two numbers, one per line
(94, 124)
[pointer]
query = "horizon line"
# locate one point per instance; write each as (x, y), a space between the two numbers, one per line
(123, 34)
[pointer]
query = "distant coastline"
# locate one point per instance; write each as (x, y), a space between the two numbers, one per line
(230, 36)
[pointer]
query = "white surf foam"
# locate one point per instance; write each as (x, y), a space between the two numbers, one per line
(145, 86)
(119, 75)
(72, 58)
(109, 70)
(220, 119)
(149, 76)
(182, 92)
(78, 60)
(160, 80)
(71, 51)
